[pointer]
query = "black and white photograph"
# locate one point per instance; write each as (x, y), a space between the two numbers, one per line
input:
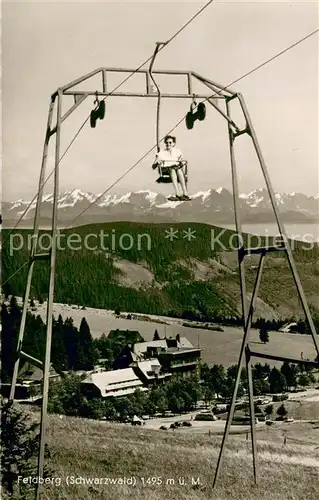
(159, 250)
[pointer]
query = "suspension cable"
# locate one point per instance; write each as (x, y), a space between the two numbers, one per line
(184, 116)
(112, 91)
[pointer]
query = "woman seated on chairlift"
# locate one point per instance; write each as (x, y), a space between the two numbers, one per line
(171, 157)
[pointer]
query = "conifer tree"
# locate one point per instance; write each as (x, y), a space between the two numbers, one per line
(156, 335)
(72, 344)
(19, 451)
(88, 352)
(59, 356)
(264, 335)
(277, 381)
(9, 339)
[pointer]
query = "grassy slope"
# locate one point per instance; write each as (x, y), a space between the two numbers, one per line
(81, 273)
(93, 449)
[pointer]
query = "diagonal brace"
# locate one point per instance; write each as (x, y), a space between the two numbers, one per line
(247, 326)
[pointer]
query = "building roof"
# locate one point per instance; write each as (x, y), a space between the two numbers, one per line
(150, 368)
(117, 331)
(184, 342)
(141, 347)
(34, 373)
(114, 381)
(181, 350)
(287, 326)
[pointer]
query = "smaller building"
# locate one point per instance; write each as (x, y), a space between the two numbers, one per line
(111, 383)
(29, 382)
(290, 328)
(22, 391)
(30, 373)
(125, 358)
(150, 372)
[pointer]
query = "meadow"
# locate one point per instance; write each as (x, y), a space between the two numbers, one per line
(181, 465)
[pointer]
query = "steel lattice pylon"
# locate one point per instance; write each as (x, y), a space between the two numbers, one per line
(225, 96)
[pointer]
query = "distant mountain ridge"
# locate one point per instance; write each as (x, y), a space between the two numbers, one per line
(213, 205)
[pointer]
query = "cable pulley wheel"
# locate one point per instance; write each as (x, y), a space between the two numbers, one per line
(93, 118)
(189, 120)
(201, 111)
(101, 110)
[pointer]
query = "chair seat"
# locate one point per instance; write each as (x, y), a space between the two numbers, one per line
(164, 179)
(165, 174)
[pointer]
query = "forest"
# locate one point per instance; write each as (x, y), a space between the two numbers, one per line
(90, 277)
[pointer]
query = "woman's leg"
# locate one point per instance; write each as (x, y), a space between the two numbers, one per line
(174, 181)
(181, 178)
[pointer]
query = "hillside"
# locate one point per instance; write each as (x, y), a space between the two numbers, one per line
(90, 449)
(161, 269)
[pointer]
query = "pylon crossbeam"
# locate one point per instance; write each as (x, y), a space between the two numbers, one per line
(41, 256)
(261, 250)
(274, 357)
(104, 72)
(31, 359)
(241, 132)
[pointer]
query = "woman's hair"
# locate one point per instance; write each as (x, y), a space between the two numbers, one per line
(170, 137)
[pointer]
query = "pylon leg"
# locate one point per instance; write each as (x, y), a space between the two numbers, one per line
(238, 224)
(281, 228)
(252, 413)
(33, 250)
(240, 364)
(241, 266)
(45, 389)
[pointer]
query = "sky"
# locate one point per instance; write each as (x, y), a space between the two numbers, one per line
(45, 45)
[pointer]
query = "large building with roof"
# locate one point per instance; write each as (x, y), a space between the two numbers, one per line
(112, 383)
(143, 364)
(174, 355)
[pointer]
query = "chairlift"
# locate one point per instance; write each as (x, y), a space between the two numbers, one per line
(163, 172)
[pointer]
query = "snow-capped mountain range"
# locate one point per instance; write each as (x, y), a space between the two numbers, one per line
(211, 206)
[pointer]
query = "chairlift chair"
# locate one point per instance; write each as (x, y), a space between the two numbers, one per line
(163, 172)
(165, 176)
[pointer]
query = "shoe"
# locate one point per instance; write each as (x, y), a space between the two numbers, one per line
(185, 197)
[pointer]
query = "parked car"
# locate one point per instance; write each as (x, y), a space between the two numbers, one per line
(205, 417)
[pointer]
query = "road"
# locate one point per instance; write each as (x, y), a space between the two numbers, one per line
(311, 395)
(216, 426)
